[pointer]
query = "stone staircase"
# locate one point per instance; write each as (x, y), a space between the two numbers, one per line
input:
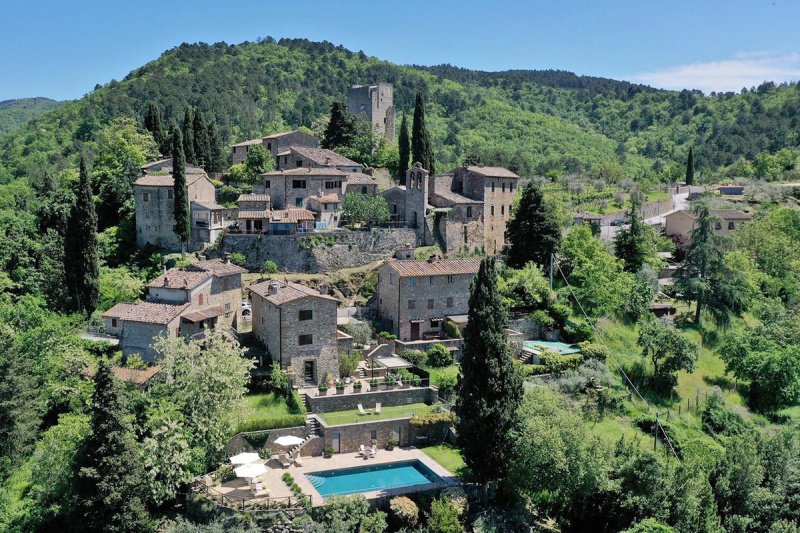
(312, 424)
(525, 356)
(294, 452)
(361, 373)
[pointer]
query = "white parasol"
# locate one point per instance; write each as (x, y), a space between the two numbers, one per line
(250, 470)
(288, 440)
(244, 458)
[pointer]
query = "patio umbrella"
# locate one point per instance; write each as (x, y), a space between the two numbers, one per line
(288, 440)
(244, 458)
(250, 470)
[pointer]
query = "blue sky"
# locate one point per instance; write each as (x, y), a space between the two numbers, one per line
(61, 49)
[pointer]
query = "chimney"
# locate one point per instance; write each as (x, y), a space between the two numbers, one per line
(226, 257)
(273, 288)
(327, 160)
(166, 280)
(309, 168)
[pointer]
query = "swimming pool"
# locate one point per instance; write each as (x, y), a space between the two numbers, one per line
(558, 347)
(371, 478)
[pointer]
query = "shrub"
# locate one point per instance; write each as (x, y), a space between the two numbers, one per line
(719, 420)
(404, 511)
(389, 381)
(555, 362)
(360, 331)
(261, 424)
(560, 313)
(373, 383)
(294, 405)
(329, 451)
(374, 523)
(224, 474)
(345, 513)
(439, 356)
(136, 362)
(415, 357)
(391, 442)
(591, 350)
(322, 387)
(340, 386)
(280, 380)
(443, 517)
(431, 419)
(357, 385)
(452, 329)
(270, 267)
(238, 258)
(457, 498)
(446, 385)
(578, 332)
(348, 362)
(287, 478)
(416, 381)
(542, 319)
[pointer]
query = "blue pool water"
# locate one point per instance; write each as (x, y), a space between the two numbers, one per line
(370, 478)
(558, 347)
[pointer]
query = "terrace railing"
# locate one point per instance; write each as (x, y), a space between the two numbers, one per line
(261, 504)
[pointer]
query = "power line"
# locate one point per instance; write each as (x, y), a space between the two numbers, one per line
(611, 355)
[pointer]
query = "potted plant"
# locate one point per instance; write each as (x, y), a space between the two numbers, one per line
(356, 386)
(391, 442)
(373, 384)
(329, 380)
(340, 387)
(389, 382)
(323, 388)
(328, 452)
(416, 380)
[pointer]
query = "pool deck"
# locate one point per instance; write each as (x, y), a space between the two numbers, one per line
(350, 460)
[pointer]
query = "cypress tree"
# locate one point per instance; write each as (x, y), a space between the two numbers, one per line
(404, 149)
(81, 264)
(154, 123)
(489, 387)
(180, 192)
(110, 481)
(188, 136)
(202, 146)
(216, 155)
(421, 150)
(632, 243)
(534, 231)
(690, 168)
(341, 129)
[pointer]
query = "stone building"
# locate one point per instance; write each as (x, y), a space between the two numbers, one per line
(414, 297)
(293, 188)
(416, 202)
(254, 212)
(277, 143)
(374, 103)
(181, 302)
(297, 325)
(302, 157)
(361, 183)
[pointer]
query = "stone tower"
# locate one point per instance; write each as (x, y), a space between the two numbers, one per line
(376, 104)
(417, 199)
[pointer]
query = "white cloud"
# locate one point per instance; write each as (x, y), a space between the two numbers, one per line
(745, 69)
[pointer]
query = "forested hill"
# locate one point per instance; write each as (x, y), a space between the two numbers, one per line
(15, 113)
(530, 121)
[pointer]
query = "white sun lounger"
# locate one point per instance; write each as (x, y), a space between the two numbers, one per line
(361, 410)
(377, 408)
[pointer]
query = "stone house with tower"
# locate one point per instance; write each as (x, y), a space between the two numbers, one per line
(275, 144)
(375, 103)
(297, 324)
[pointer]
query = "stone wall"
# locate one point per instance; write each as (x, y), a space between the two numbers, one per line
(319, 252)
(387, 398)
(239, 444)
(352, 436)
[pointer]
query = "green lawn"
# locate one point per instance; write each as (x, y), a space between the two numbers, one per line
(438, 373)
(387, 413)
(265, 407)
(450, 458)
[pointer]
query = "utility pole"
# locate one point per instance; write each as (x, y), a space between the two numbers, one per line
(552, 259)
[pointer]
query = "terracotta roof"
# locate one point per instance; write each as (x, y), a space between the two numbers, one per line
(160, 162)
(725, 214)
(443, 195)
(308, 171)
(253, 214)
(203, 314)
(253, 198)
(440, 267)
(218, 267)
(165, 180)
(282, 134)
(359, 178)
(248, 142)
(326, 199)
(178, 278)
(131, 375)
(492, 172)
(146, 312)
(210, 206)
(286, 292)
(290, 216)
(323, 156)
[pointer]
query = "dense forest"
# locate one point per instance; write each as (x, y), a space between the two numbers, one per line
(15, 113)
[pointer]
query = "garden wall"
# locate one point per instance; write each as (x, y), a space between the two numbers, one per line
(319, 252)
(387, 398)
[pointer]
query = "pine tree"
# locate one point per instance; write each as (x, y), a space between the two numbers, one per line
(202, 146)
(404, 149)
(421, 150)
(690, 168)
(341, 129)
(81, 264)
(154, 123)
(489, 387)
(188, 136)
(534, 231)
(180, 192)
(110, 481)
(633, 243)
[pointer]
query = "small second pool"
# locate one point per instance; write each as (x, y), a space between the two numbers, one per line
(558, 347)
(371, 478)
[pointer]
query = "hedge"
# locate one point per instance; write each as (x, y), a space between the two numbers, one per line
(555, 362)
(261, 424)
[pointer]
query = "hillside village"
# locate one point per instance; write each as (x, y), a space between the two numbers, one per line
(301, 338)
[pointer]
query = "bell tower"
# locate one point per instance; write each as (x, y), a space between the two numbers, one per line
(416, 199)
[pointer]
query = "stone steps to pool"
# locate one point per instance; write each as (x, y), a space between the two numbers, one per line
(315, 481)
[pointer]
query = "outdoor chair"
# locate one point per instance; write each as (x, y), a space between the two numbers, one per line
(361, 410)
(284, 461)
(362, 452)
(259, 490)
(378, 408)
(373, 452)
